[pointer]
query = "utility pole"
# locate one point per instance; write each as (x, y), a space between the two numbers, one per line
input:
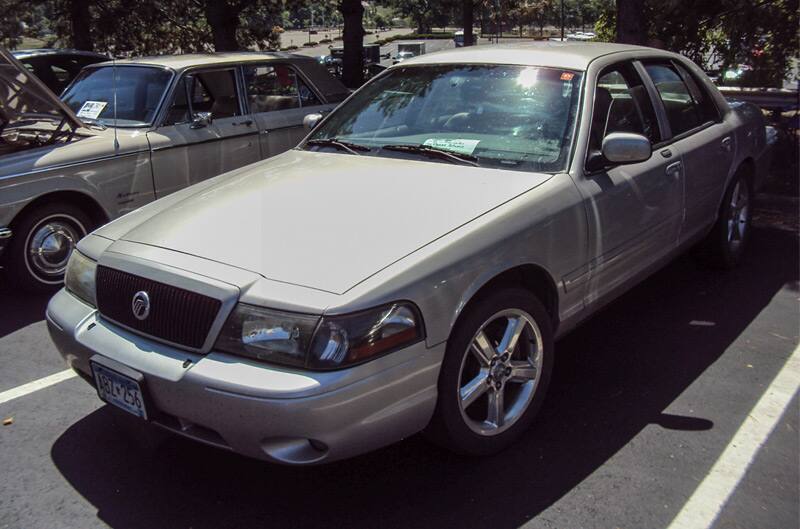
(562, 20)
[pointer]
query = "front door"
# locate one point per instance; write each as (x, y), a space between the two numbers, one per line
(634, 210)
(186, 151)
(279, 99)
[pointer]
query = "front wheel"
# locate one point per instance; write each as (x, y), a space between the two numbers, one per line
(495, 373)
(42, 241)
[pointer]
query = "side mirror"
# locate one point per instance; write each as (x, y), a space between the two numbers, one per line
(201, 120)
(625, 147)
(311, 121)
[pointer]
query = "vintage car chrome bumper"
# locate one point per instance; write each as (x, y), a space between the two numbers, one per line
(262, 411)
(5, 235)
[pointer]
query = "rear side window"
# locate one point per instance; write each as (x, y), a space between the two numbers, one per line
(687, 107)
(276, 87)
(621, 104)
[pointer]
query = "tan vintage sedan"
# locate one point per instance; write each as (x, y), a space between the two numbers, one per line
(70, 167)
(410, 264)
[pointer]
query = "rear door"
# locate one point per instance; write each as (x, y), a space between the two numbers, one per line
(705, 141)
(279, 97)
(184, 152)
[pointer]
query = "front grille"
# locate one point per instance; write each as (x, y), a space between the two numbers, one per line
(176, 315)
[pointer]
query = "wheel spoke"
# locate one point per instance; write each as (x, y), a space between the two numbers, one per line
(511, 335)
(473, 389)
(522, 372)
(482, 349)
(496, 415)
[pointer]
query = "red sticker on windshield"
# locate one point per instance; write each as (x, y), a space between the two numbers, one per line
(567, 76)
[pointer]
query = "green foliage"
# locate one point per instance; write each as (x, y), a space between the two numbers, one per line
(720, 35)
(416, 36)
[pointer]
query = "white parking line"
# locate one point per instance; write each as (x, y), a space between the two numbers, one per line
(36, 385)
(716, 488)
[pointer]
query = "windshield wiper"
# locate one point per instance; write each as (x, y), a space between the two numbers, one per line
(433, 152)
(339, 144)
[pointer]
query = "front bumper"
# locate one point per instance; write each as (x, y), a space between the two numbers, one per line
(266, 412)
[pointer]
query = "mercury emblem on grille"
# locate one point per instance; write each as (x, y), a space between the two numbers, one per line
(141, 305)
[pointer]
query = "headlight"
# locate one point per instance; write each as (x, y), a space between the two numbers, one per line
(302, 340)
(269, 335)
(355, 338)
(79, 278)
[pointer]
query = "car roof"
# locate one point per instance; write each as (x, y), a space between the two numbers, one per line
(41, 52)
(568, 55)
(188, 60)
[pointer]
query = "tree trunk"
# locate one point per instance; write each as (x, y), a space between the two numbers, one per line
(468, 21)
(81, 20)
(223, 18)
(353, 61)
(631, 23)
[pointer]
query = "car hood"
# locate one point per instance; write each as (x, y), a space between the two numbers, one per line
(323, 220)
(23, 97)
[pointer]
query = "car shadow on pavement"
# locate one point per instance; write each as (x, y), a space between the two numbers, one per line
(613, 377)
(20, 309)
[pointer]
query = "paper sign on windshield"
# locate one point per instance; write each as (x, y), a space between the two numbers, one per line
(460, 146)
(91, 109)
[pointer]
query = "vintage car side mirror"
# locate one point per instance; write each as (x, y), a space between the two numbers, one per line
(625, 147)
(201, 119)
(311, 120)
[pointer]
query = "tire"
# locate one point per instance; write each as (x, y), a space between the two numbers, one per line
(54, 228)
(466, 424)
(726, 243)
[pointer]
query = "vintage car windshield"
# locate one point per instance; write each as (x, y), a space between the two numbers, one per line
(139, 91)
(510, 117)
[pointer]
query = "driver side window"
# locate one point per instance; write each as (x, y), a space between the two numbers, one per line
(213, 91)
(621, 104)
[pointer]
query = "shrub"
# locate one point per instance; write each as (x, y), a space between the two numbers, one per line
(310, 44)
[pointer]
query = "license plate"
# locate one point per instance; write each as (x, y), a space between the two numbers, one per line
(119, 390)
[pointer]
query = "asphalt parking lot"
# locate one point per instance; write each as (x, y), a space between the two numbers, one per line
(648, 402)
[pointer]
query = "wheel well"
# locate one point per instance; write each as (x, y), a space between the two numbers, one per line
(80, 200)
(530, 277)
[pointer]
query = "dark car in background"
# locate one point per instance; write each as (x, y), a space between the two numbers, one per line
(56, 68)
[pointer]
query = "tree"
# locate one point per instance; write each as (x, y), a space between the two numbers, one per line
(631, 22)
(353, 40)
(468, 20)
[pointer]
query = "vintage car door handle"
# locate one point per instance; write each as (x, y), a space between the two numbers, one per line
(726, 143)
(246, 122)
(674, 169)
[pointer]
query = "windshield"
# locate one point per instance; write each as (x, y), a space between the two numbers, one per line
(513, 117)
(139, 91)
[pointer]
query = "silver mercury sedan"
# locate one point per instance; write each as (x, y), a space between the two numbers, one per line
(409, 266)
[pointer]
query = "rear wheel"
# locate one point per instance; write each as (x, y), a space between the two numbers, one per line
(42, 242)
(728, 239)
(494, 374)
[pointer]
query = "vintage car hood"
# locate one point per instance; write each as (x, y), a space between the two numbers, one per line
(322, 220)
(23, 97)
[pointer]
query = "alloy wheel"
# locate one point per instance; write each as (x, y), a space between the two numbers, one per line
(500, 372)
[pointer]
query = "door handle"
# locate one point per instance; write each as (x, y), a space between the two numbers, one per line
(246, 122)
(674, 169)
(726, 143)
